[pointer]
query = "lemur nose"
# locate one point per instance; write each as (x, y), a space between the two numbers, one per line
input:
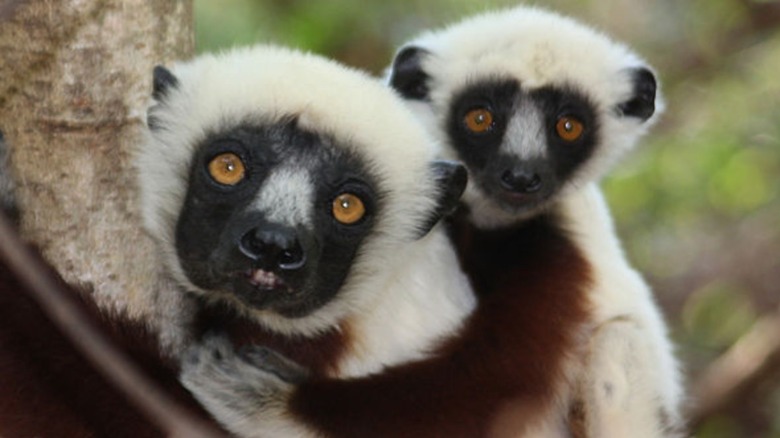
(273, 247)
(521, 181)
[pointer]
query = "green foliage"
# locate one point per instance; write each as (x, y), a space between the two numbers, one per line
(720, 427)
(716, 316)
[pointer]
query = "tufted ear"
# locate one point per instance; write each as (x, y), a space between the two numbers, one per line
(8, 203)
(641, 104)
(407, 75)
(162, 81)
(451, 178)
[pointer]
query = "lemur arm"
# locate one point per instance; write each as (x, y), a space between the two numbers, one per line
(621, 387)
(631, 385)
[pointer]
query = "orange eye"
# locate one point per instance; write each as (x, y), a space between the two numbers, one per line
(227, 169)
(348, 208)
(569, 128)
(478, 120)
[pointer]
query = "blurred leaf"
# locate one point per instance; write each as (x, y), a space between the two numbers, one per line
(717, 315)
(720, 427)
(740, 186)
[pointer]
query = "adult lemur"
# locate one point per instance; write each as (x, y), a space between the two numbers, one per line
(298, 200)
(565, 339)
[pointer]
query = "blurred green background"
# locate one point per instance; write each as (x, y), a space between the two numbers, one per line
(697, 204)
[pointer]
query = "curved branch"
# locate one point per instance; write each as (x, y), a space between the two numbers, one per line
(735, 374)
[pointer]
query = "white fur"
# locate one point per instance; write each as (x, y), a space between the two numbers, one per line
(392, 323)
(646, 377)
(630, 350)
(402, 294)
(287, 196)
(522, 133)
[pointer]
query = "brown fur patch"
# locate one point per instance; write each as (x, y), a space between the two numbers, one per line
(531, 282)
(577, 423)
(48, 389)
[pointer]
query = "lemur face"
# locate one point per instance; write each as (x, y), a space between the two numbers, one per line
(521, 145)
(532, 102)
(278, 182)
(274, 215)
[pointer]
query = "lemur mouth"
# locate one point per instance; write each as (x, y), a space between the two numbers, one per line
(521, 199)
(266, 280)
(517, 203)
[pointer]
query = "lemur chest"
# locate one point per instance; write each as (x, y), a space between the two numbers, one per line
(532, 284)
(320, 354)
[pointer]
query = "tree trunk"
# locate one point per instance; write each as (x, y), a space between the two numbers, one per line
(76, 81)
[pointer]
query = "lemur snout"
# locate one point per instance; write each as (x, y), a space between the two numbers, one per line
(273, 247)
(521, 180)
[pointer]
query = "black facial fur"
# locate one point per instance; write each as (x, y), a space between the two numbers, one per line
(521, 184)
(407, 75)
(215, 219)
(555, 102)
(642, 103)
(497, 95)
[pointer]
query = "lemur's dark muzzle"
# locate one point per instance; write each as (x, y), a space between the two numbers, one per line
(273, 247)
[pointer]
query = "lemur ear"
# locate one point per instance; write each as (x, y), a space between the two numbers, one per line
(8, 203)
(162, 81)
(407, 75)
(642, 102)
(451, 178)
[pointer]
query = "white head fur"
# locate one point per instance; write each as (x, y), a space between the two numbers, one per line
(537, 48)
(215, 92)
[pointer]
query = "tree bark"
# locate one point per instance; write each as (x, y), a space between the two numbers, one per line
(75, 84)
